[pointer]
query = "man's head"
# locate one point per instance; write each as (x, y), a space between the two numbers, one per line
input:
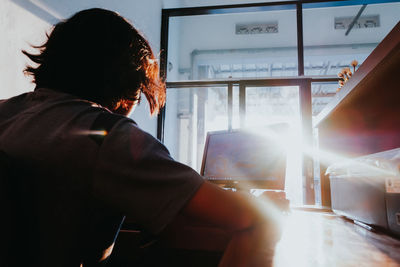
(99, 56)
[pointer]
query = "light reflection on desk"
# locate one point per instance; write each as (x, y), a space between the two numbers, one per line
(323, 239)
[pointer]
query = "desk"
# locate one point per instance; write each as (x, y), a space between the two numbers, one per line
(312, 239)
(309, 239)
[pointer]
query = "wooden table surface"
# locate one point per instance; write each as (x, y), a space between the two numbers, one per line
(324, 239)
(309, 239)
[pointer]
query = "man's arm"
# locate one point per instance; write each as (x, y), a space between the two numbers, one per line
(222, 208)
(227, 221)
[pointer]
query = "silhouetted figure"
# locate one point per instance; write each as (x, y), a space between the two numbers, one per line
(77, 166)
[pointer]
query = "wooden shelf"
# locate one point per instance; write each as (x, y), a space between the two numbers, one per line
(378, 78)
(364, 117)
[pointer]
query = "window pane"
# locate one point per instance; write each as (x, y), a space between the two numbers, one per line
(322, 94)
(190, 114)
(329, 44)
(220, 46)
(268, 105)
(271, 105)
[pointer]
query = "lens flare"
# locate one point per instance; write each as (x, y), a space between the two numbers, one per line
(97, 132)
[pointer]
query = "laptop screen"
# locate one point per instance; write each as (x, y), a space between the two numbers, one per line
(233, 157)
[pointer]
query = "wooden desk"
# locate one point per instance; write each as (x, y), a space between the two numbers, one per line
(309, 239)
(312, 239)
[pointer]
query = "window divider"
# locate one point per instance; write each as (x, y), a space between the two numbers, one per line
(230, 106)
(242, 104)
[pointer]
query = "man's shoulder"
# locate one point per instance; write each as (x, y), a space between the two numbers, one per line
(13, 105)
(16, 98)
(105, 122)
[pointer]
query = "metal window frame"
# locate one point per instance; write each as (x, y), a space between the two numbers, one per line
(302, 81)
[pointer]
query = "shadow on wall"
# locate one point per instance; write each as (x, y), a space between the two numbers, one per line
(145, 15)
(40, 9)
(53, 11)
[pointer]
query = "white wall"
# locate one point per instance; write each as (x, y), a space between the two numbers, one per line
(23, 22)
(18, 28)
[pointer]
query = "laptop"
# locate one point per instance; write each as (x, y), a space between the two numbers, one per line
(242, 159)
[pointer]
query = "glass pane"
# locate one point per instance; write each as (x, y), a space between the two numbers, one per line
(276, 105)
(221, 46)
(190, 114)
(330, 44)
(316, 165)
(322, 94)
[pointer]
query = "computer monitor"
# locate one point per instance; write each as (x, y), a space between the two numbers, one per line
(234, 157)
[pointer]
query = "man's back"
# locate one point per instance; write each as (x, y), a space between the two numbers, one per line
(83, 179)
(52, 162)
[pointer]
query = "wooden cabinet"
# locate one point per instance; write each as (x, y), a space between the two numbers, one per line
(364, 117)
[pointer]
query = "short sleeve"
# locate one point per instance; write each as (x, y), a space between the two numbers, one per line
(135, 174)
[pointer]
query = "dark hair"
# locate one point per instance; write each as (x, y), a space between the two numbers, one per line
(99, 56)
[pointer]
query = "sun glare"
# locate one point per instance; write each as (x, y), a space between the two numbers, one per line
(292, 141)
(288, 136)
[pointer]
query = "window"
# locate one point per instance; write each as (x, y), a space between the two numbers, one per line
(190, 114)
(240, 45)
(212, 46)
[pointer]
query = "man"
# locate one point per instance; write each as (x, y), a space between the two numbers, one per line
(79, 165)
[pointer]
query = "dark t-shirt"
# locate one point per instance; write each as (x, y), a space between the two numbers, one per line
(80, 189)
